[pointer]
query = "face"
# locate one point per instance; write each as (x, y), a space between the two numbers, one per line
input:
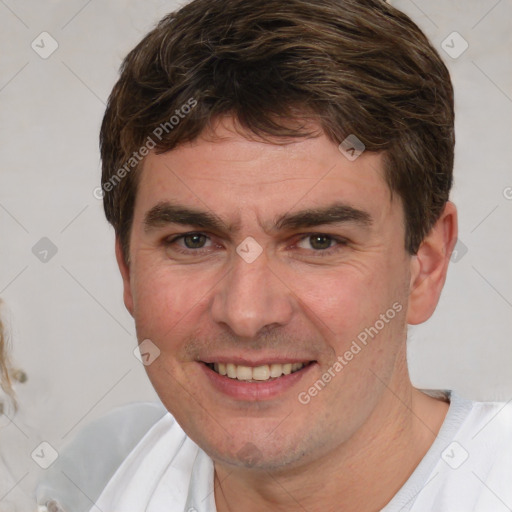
(258, 259)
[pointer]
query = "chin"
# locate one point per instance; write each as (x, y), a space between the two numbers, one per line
(257, 455)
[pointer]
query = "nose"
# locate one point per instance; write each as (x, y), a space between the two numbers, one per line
(252, 298)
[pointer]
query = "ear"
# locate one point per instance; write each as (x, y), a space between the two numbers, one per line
(430, 265)
(125, 274)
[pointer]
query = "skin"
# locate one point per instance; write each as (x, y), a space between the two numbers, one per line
(355, 443)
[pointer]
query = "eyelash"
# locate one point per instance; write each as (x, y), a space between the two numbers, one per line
(340, 243)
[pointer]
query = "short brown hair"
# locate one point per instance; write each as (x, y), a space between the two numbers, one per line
(353, 66)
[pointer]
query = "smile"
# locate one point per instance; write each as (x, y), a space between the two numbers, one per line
(266, 372)
(258, 381)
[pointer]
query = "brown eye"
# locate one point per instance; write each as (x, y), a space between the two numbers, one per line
(320, 242)
(194, 241)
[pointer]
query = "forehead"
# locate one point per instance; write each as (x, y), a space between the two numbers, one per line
(237, 176)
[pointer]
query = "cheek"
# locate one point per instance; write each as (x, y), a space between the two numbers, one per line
(347, 307)
(166, 299)
(347, 298)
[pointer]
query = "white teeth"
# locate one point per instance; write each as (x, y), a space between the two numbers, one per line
(276, 370)
(231, 370)
(243, 372)
(259, 373)
(287, 368)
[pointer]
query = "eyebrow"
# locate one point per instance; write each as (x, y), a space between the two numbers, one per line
(165, 213)
(336, 213)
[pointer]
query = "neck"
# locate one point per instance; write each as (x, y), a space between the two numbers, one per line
(360, 475)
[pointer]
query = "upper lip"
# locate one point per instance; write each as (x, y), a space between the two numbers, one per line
(260, 361)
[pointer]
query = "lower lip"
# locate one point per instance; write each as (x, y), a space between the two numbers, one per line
(255, 391)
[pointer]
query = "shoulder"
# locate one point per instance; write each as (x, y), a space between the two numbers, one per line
(488, 422)
(487, 433)
(469, 466)
(86, 464)
(483, 431)
(474, 467)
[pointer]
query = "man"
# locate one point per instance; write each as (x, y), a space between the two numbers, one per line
(278, 173)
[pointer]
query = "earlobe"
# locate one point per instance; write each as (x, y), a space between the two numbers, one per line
(125, 274)
(430, 266)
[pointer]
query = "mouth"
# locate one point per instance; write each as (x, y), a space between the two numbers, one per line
(260, 381)
(262, 373)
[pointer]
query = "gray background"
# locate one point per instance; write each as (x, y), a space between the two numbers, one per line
(69, 329)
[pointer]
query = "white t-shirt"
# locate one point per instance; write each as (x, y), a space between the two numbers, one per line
(467, 469)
